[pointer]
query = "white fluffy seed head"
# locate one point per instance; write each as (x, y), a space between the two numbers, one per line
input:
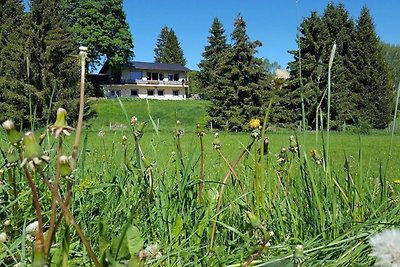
(3, 237)
(32, 228)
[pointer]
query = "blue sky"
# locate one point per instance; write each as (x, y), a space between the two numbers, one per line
(274, 23)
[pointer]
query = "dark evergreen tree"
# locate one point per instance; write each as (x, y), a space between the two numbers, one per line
(217, 45)
(173, 52)
(160, 45)
(101, 26)
(248, 78)
(16, 97)
(238, 85)
(287, 110)
(340, 30)
(392, 55)
(53, 58)
(372, 82)
(317, 36)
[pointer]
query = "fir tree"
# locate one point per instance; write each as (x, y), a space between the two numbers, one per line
(173, 52)
(16, 96)
(248, 78)
(317, 36)
(372, 83)
(160, 45)
(217, 45)
(53, 57)
(238, 79)
(288, 110)
(392, 55)
(340, 30)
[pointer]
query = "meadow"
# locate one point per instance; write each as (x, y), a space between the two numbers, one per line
(165, 194)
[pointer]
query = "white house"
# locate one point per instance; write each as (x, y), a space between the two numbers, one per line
(147, 80)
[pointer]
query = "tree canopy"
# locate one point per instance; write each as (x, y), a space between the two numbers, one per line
(101, 26)
(168, 49)
(357, 90)
(235, 79)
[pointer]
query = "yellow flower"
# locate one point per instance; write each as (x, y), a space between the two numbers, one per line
(255, 123)
(397, 181)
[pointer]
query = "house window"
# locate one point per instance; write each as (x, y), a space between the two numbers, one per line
(134, 92)
(160, 92)
(155, 76)
(173, 76)
(135, 75)
(150, 92)
(175, 92)
(116, 93)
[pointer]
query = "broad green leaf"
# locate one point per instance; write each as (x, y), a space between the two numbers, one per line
(134, 240)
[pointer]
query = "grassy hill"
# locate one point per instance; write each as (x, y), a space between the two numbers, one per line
(165, 113)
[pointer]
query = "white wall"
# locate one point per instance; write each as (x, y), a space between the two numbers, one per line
(142, 92)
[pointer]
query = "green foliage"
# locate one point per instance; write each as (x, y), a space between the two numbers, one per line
(212, 58)
(194, 83)
(164, 113)
(20, 101)
(359, 75)
(17, 97)
(372, 82)
(102, 27)
(392, 55)
(53, 58)
(160, 45)
(234, 79)
(168, 49)
(331, 213)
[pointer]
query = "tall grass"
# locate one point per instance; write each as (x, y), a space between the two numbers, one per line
(150, 194)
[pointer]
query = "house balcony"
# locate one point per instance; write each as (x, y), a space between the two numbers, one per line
(149, 82)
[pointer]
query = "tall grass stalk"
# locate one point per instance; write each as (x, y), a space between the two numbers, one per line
(394, 118)
(220, 195)
(332, 56)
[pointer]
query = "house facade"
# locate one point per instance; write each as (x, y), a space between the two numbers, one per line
(147, 80)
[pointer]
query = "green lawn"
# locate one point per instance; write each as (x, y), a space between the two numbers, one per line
(165, 113)
(330, 209)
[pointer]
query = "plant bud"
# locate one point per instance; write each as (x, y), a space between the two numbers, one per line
(13, 135)
(65, 168)
(32, 148)
(61, 121)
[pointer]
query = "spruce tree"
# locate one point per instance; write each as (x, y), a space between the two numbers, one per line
(208, 74)
(392, 55)
(160, 45)
(246, 87)
(53, 58)
(340, 30)
(317, 36)
(16, 97)
(173, 52)
(287, 111)
(372, 83)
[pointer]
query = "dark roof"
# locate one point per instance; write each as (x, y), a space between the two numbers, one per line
(150, 66)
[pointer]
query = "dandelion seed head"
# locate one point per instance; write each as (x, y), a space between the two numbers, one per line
(32, 228)
(8, 125)
(385, 248)
(3, 237)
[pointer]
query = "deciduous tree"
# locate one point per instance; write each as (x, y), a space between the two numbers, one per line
(101, 26)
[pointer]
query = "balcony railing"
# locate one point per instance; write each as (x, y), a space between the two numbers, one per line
(149, 82)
